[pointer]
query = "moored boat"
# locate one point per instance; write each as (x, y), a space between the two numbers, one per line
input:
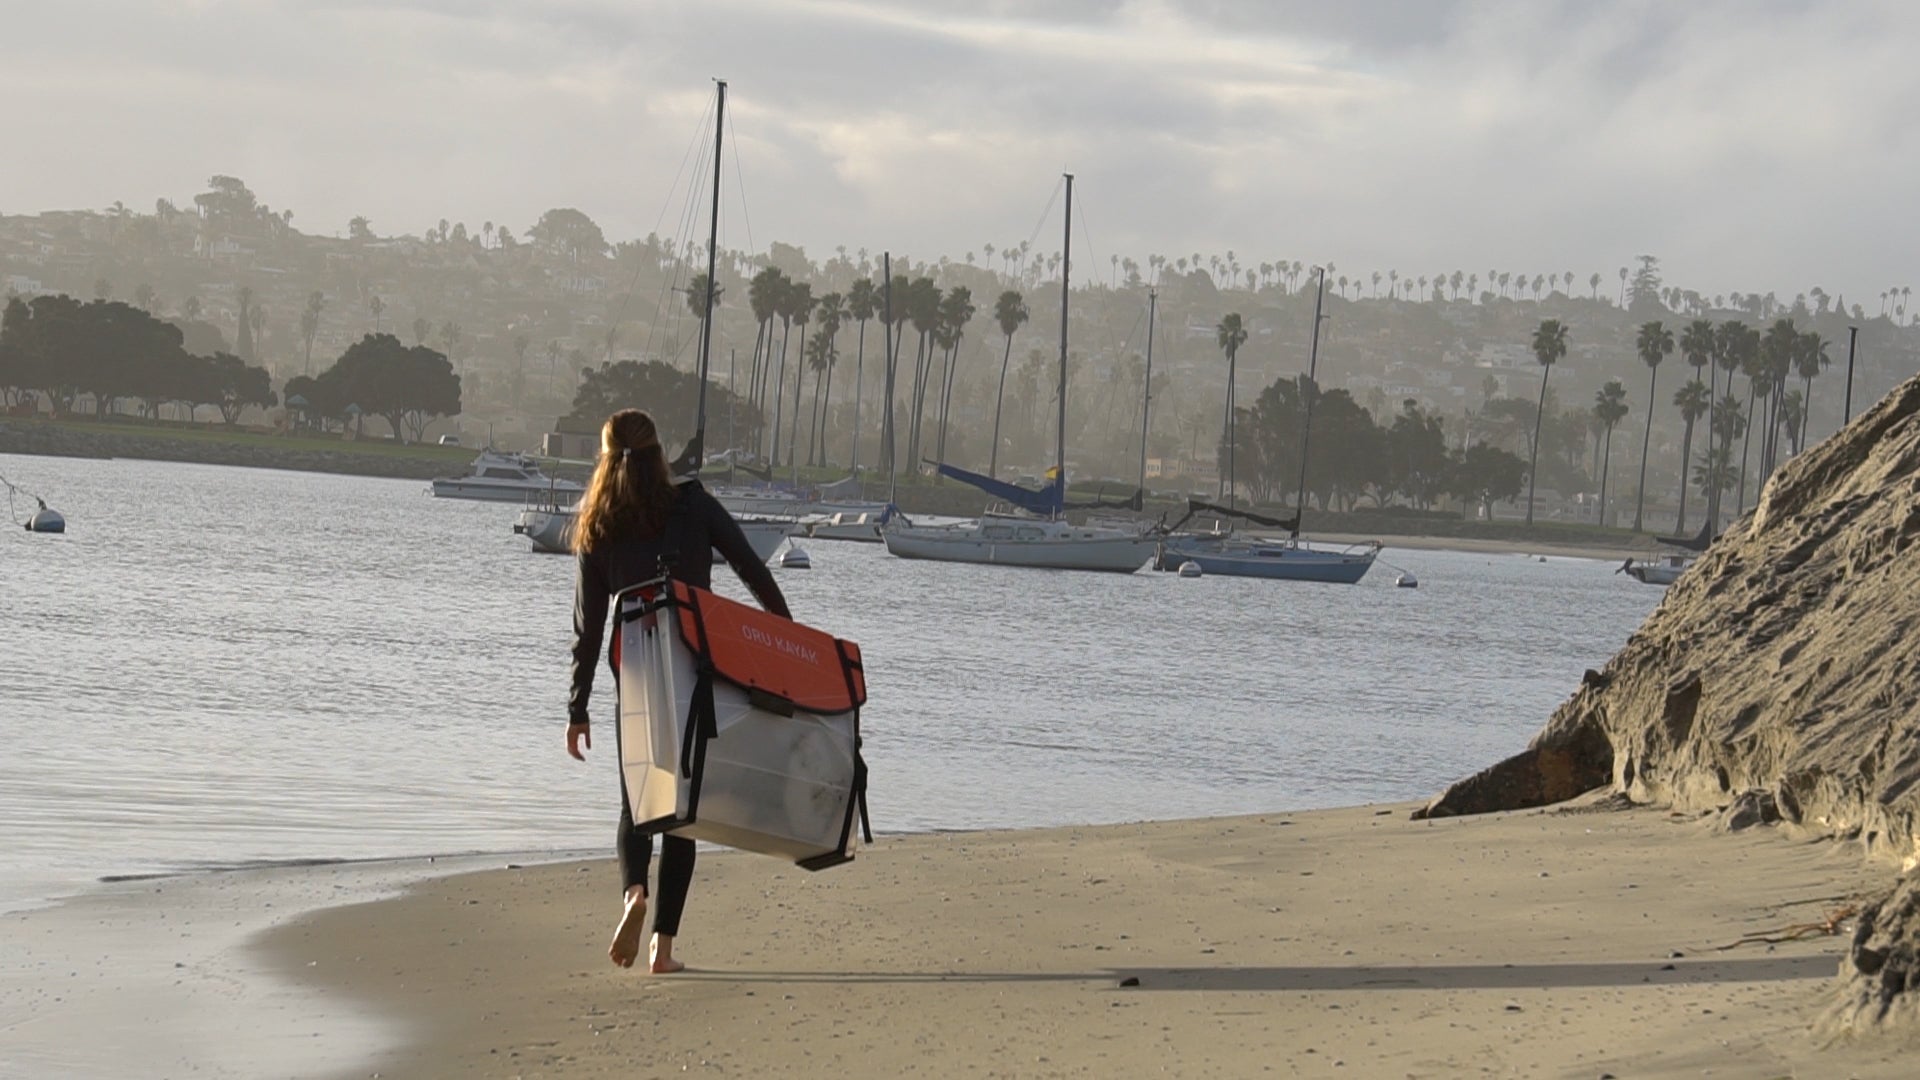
(550, 530)
(502, 476)
(1003, 539)
(1036, 533)
(1664, 570)
(1285, 558)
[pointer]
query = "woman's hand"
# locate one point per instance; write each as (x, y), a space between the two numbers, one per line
(579, 737)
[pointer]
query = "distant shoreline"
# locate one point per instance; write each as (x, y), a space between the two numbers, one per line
(249, 448)
(238, 447)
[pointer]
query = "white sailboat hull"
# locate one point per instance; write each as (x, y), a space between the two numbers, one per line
(551, 532)
(1283, 560)
(1046, 545)
(750, 502)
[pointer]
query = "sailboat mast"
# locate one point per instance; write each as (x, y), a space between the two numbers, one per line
(713, 253)
(1066, 272)
(1146, 388)
(1307, 393)
(886, 418)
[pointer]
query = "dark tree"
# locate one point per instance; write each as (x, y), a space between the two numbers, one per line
(410, 386)
(671, 395)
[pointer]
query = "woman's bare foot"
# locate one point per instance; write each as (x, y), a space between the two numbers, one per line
(661, 954)
(626, 937)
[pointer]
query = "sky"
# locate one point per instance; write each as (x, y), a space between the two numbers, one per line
(1752, 145)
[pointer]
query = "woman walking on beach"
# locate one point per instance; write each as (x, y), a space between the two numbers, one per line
(631, 518)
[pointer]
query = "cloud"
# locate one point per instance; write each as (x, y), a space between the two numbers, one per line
(1754, 146)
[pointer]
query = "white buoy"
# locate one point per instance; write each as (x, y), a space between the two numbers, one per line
(1190, 569)
(795, 559)
(1406, 580)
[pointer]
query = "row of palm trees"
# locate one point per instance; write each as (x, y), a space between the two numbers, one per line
(938, 320)
(1767, 360)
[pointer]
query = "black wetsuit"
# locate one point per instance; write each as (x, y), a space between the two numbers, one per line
(700, 526)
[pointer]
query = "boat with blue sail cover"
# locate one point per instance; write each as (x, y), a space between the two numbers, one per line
(1285, 558)
(1027, 528)
(1030, 527)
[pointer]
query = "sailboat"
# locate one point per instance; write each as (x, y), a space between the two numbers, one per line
(1288, 559)
(1031, 528)
(1666, 569)
(550, 526)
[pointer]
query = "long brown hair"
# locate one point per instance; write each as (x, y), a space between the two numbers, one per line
(631, 491)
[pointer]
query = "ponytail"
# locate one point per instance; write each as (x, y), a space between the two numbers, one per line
(631, 492)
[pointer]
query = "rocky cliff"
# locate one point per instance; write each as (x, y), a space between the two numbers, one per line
(1777, 681)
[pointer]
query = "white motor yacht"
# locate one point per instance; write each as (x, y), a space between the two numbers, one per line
(500, 476)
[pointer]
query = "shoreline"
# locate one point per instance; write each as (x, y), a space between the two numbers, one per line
(159, 974)
(414, 462)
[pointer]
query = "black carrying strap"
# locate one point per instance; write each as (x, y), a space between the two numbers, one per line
(702, 724)
(860, 791)
(859, 801)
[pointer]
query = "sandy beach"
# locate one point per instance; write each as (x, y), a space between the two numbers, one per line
(1346, 942)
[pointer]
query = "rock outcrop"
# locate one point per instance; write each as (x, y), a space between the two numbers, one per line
(1786, 661)
(1779, 680)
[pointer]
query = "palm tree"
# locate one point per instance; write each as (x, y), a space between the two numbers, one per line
(1807, 362)
(833, 312)
(1231, 334)
(697, 300)
(956, 310)
(784, 295)
(1010, 311)
(1789, 410)
(1549, 346)
(1655, 344)
(765, 295)
(521, 342)
(1609, 408)
(1715, 472)
(1754, 364)
(800, 304)
(243, 341)
(923, 311)
(375, 306)
(1693, 400)
(890, 314)
(450, 337)
(553, 356)
(310, 325)
(1729, 340)
(1778, 350)
(816, 354)
(862, 304)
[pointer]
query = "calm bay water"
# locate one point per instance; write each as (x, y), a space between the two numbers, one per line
(217, 666)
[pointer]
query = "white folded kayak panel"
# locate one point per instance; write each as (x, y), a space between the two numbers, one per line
(760, 775)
